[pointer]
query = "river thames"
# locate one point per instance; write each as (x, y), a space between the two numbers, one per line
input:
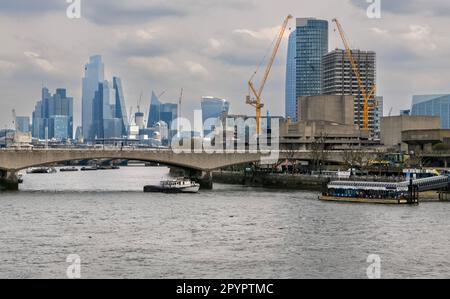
(230, 232)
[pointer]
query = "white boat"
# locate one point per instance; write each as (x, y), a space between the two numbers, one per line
(180, 185)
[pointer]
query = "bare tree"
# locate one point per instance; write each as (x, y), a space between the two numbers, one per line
(319, 152)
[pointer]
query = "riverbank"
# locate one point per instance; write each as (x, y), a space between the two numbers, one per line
(272, 181)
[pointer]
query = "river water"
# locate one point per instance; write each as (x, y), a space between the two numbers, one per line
(231, 232)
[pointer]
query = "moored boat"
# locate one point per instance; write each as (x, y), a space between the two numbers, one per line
(180, 185)
(41, 170)
(69, 169)
(369, 192)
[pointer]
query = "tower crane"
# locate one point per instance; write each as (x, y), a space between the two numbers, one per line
(254, 97)
(355, 69)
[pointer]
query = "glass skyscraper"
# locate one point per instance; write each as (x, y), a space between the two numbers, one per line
(291, 101)
(214, 108)
(311, 46)
(94, 75)
(120, 108)
(166, 112)
(53, 116)
(433, 105)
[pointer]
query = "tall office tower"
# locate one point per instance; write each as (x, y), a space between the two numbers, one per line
(94, 75)
(23, 124)
(53, 116)
(339, 79)
(290, 93)
(162, 112)
(154, 112)
(214, 108)
(120, 108)
(105, 123)
(311, 45)
(433, 105)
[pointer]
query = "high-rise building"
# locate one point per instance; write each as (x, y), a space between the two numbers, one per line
(214, 109)
(339, 79)
(53, 116)
(94, 75)
(23, 124)
(106, 124)
(433, 105)
(290, 93)
(311, 45)
(162, 112)
(120, 108)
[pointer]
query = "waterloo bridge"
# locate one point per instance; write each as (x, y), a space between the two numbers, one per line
(198, 166)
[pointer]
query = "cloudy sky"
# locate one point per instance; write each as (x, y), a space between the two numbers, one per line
(208, 47)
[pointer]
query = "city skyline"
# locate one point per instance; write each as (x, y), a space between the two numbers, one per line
(147, 55)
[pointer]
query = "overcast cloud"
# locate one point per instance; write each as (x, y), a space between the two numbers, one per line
(208, 47)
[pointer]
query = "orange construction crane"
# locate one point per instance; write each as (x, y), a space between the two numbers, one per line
(256, 101)
(366, 96)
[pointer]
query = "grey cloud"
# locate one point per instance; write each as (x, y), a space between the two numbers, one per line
(409, 7)
(30, 6)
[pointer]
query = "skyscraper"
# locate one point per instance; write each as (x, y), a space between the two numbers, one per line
(214, 109)
(166, 112)
(433, 105)
(120, 108)
(291, 101)
(53, 116)
(339, 79)
(94, 75)
(311, 45)
(23, 124)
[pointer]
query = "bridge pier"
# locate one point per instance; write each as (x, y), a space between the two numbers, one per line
(9, 180)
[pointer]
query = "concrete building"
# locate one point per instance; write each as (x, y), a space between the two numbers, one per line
(331, 108)
(424, 140)
(303, 134)
(433, 105)
(339, 79)
(393, 127)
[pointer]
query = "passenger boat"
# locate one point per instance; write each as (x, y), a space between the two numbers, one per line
(42, 170)
(369, 192)
(180, 185)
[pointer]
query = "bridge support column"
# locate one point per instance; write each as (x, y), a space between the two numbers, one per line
(9, 181)
(204, 178)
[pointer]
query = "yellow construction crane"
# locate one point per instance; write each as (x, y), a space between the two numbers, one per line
(363, 90)
(255, 100)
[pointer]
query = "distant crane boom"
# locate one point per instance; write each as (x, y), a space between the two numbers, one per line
(355, 69)
(257, 93)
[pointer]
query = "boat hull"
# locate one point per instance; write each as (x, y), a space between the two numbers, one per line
(364, 200)
(159, 189)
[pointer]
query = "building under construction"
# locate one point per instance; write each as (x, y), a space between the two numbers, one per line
(340, 79)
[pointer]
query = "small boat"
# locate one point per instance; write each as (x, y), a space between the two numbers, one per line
(69, 169)
(93, 168)
(106, 167)
(41, 170)
(180, 185)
